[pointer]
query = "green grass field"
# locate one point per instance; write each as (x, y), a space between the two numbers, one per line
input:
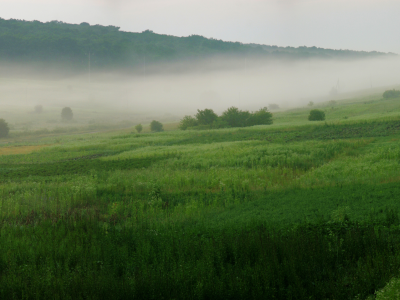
(293, 210)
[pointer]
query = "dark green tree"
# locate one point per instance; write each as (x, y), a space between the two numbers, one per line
(66, 114)
(260, 117)
(139, 128)
(316, 115)
(156, 126)
(4, 129)
(206, 116)
(186, 122)
(235, 117)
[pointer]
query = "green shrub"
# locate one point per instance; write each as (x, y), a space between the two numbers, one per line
(235, 117)
(316, 115)
(260, 117)
(4, 129)
(139, 128)
(186, 122)
(156, 126)
(391, 94)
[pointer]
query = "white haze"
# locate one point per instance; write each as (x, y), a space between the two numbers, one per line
(167, 90)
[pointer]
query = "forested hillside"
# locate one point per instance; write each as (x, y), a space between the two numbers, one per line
(34, 41)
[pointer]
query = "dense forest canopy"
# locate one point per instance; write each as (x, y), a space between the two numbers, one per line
(58, 42)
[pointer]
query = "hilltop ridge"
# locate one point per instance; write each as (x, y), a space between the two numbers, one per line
(59, 42)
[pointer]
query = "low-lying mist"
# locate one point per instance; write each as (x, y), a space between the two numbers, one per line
(169, 91)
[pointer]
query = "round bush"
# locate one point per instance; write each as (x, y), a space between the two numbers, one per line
(316, 115)
(156, 126)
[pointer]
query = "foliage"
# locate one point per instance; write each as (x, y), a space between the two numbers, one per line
(59, 42)
(4, 128)
(232, 117)
(310, 103)
(316, 115)
(206, 116)
(268, 212)
(260, 117)
(156, 126)
(67, 114)
(139, 128)
(391, 94)
(187, 122)
(235, 117)
(220, 123)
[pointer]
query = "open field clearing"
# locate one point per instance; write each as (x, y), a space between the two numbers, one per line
(293, 210)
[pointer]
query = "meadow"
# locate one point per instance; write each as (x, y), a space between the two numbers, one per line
(293, 210)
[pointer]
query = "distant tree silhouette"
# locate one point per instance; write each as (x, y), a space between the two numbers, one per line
(66, 114)
(391, 94)
(4, 129)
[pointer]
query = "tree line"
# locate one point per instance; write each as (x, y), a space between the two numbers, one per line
(55, 41)
(232, 117)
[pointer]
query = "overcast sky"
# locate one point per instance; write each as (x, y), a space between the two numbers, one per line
(339, 24)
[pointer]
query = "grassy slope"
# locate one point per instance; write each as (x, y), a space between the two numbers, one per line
(289, 173)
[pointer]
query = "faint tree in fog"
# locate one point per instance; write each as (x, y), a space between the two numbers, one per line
(66, 114)
(273, 106)
(139, 128)
(4, 129)
(156, 126)
(391, 94)
(310, 103)
(38, 109)
(332, 102)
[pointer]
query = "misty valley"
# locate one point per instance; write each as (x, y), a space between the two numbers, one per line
(148, 166)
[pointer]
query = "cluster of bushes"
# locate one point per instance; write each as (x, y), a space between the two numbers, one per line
(391, 94)
(232, 117)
